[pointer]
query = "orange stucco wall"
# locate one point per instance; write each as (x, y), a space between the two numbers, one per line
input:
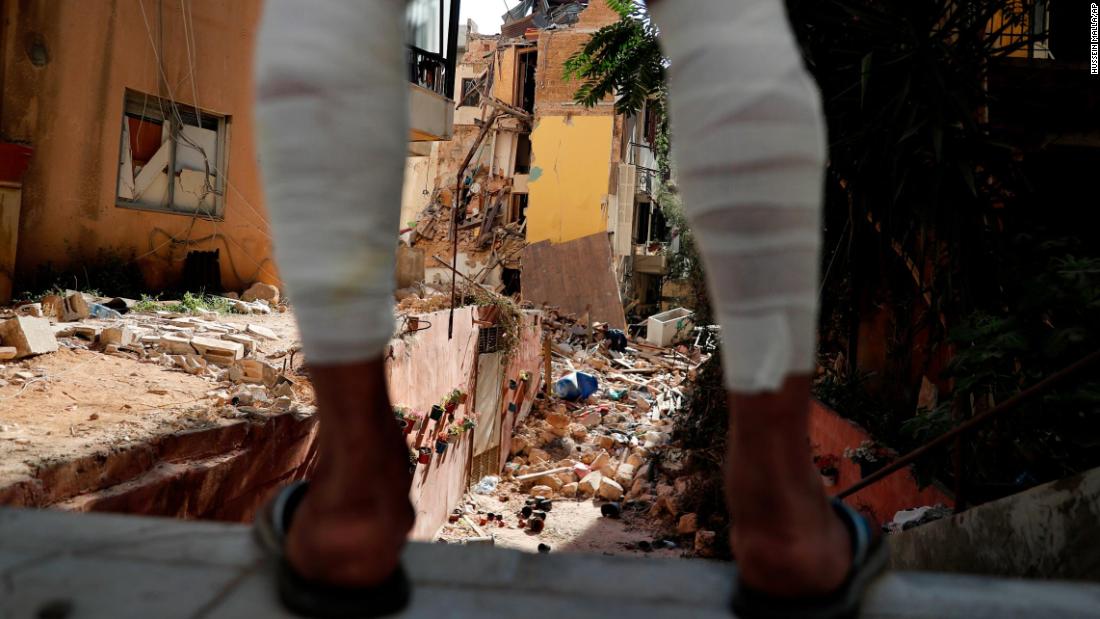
(70, 108)
(831, 434)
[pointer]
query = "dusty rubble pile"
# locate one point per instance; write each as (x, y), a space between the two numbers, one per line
(231, 355)
(615, 447)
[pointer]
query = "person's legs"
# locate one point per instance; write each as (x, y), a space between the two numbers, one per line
(749, 141)
(332, 122)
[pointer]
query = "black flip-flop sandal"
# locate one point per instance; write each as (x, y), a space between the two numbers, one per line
(317, 599)
(869, 558)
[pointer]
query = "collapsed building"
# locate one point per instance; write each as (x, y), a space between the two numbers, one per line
(547, 188)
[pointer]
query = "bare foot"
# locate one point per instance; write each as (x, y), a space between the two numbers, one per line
(786, 538)
(352, 524)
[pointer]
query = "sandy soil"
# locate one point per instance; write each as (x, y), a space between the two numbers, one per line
(82, 401)
(571, 526)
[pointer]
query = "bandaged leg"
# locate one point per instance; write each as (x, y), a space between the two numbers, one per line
(332, 122)
(749, 144)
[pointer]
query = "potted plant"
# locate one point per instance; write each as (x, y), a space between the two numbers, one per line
(404, 421)
(468, 424)
(524, 376)
(437, 412)
(425, 455)
(453, 433)
(414, 459)
(870, 456)
(453, 399)
(827, 467)
(441, 443)
(512, 384)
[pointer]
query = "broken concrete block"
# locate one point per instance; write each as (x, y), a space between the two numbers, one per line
(261, 331)
(558, 420)
(688, 524)
(176, 344)
(87, 332)
(263, 291)
(591, 419)
(578, 431)
(609, 489)
(52, 306)
(248, 343)
(634, 460)
(605, 442)
(218, 351)
(538, 456)
(600, 461)
(241, 307)
(589, 485)
(625, 474)
(74, 307)
(118, 336)
(550, 481)
(28, 335)
(569, 490)
(541, 491)
(7, 352)
(30, 309)
(704, 543)
(519, 444)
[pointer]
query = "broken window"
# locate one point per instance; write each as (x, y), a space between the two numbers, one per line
(523, 154)
(471, 95)
(172, 157)
(526, 61)
(517, 211)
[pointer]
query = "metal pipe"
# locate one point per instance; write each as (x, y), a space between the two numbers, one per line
(1015, 401)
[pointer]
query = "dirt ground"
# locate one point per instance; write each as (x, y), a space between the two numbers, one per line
(81, 401)
(572, 525)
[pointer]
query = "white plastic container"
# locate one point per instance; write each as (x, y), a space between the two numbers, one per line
(667, 327)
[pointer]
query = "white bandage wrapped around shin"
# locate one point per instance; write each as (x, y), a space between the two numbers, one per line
(749, 144)
(332, 123)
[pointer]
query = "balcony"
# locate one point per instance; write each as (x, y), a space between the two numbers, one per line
(430, 67)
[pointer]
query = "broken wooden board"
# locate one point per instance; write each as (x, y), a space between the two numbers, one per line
(573, 276)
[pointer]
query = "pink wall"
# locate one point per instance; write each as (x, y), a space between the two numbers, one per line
(831, 434)
(421, 369)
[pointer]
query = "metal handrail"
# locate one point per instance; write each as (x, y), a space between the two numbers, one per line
(1015, 401)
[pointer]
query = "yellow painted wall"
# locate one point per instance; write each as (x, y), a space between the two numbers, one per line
(567, 187)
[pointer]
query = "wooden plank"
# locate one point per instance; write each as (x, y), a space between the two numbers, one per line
(573, 276)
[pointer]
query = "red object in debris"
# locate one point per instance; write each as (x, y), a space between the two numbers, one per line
(14, 159)
(425, 455)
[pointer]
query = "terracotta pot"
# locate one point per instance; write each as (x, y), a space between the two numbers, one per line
(829, 477)
(425, 455)
(408, 427)
(412, 323)
(450, 407)
(437, 412)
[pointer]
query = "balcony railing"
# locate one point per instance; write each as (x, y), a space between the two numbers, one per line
(430, 70)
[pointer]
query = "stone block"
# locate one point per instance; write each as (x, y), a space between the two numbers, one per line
(118, 336)
(589, 485)
(569, 490)
(688, 524)
(261, 331)
(28, 335)
(74, 307)
(541, 491)
(558, 420)
(263, 291)
(704, 543)
(609, 489)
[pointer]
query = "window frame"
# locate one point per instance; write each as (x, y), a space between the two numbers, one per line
(151, 107)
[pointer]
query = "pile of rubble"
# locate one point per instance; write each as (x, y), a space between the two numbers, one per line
(614, 446)
(231, 356)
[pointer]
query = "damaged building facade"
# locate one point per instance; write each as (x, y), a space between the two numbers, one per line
(548, 188)
(127, 134)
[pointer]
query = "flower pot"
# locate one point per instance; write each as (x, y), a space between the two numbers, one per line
(450, 407)
(512, 385)
(408, 427)
(829, 477)
(425, 455)
(462, 398)
(412, 323)
(440, 446)
(437, 412)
